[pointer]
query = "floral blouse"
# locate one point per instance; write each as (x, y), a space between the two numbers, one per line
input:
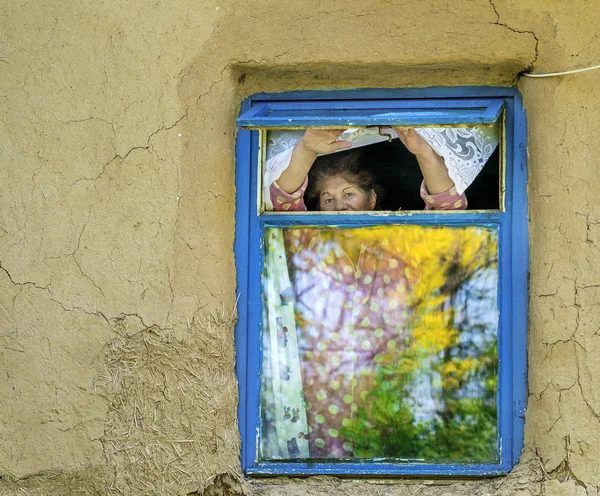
(294, 202)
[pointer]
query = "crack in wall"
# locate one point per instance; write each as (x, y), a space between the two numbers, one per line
(98, 313)
(26, 283)
(122, 158)
(537, 41)
(583, 395)
(116, 320)
(233, 63)
(77, 262)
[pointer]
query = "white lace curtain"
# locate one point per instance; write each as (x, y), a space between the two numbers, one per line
(465, 150)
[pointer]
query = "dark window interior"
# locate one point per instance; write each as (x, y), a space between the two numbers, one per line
(398, 173)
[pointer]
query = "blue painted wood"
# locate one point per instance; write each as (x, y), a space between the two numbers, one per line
(381, 112)
(255, 253)
(422, 105)
(520, 265)
(242, 232)
(493, 110)
(505, 375)
(258, 110)
(375, 219)
(512, 287)
(379, 468)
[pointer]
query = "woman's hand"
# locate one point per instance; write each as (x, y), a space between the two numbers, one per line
(413, 141)
(432, 166)
(322, 141)
(315, 142)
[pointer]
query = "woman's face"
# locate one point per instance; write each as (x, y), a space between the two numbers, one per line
(337, 194)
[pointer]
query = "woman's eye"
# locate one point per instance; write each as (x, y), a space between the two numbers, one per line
(350, 193)
(328, 200)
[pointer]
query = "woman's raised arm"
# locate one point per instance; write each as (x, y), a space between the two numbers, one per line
(432, 165)
(315, 142)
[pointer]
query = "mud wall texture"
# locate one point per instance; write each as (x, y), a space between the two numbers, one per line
(117, 276)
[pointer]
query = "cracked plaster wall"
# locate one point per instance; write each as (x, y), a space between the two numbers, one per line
(117, 205)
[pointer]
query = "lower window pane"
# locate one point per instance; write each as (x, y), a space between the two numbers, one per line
(380, 342)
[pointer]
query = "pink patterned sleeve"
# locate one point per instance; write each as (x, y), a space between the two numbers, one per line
(447, 200)
(288, 202)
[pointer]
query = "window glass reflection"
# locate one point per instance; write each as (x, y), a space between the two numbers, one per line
(380, 343)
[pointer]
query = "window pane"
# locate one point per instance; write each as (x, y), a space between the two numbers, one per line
(471, 154)
(380, 342)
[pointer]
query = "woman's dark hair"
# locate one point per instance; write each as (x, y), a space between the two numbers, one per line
(347, 165)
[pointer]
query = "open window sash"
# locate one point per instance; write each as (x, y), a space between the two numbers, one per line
(386, 113)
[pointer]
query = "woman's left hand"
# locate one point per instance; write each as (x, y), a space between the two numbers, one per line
(413, 141)
(432, 165)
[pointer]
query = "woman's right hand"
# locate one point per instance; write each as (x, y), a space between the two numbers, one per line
(315, 142)
(322, 141)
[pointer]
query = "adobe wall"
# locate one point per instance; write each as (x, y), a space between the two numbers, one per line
(117, 278)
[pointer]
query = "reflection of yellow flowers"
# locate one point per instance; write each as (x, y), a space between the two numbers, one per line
(492, 382)
(407, 365)
(434, 339)
(456, 371)
(437, 260)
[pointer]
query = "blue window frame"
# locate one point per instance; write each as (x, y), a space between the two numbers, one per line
(434, 106)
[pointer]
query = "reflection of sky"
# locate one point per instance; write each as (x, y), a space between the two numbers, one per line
(476, 317)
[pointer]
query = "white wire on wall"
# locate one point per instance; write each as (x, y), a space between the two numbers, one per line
(551, 74)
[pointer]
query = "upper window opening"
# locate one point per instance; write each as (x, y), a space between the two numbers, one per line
(467, 158)
(406, 152)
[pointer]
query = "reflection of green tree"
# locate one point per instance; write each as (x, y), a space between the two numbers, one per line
(386, 427)
(443, 266)
(466, 428)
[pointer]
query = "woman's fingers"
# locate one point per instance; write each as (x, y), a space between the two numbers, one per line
(333, 146)
(323, 141)
(406, 132)
(413, 141)
(341, 144)
(334, 134)
(404, 135)
(324, 133)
